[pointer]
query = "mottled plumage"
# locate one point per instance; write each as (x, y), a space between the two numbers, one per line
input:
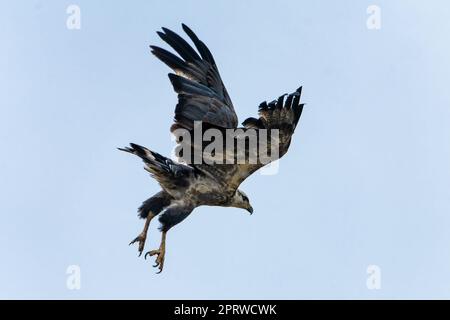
(203, 97)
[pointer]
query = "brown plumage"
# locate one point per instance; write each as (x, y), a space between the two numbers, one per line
(202, 97)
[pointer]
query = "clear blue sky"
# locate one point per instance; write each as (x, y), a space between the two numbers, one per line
(366, 181)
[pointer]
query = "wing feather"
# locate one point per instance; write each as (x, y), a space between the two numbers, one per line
(278, 114)
(202, 95)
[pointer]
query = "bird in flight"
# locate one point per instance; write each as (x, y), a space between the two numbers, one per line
(215, 178)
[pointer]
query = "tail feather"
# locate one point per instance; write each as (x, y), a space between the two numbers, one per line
(161, 168)
(155, 163)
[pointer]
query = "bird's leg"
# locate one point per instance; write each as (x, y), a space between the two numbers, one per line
(161, 252)
(143, 235)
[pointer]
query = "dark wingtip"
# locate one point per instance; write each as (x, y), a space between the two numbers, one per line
(126, 149)
(263, 106)
(175, 82)
(288, 103)
(137, 149)
(189, 32)
(272, 104)
(253, 123)
(280, 101)
(185, 28)
(153, 49)
(166, 30)
(245, 122)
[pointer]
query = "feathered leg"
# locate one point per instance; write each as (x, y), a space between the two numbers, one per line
(173, 215)
(149, 209)
(161, 252)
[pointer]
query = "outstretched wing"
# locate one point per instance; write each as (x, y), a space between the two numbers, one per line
(201, 93)
(273, 131)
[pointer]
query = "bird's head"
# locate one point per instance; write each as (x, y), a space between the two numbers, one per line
(240, 200)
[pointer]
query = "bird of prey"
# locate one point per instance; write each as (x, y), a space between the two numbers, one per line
(202, 97)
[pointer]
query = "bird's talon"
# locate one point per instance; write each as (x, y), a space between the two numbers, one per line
(141, 239)
(159, 262)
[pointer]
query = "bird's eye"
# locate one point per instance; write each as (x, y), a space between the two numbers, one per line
(245, 198)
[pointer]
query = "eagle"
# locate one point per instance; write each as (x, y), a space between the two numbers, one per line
(203, 98)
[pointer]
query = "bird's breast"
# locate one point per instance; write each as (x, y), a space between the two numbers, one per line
(206, 192)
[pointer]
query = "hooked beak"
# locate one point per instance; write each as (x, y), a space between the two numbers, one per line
(250, 209)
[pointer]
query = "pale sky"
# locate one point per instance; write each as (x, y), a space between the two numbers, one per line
(366, 180)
